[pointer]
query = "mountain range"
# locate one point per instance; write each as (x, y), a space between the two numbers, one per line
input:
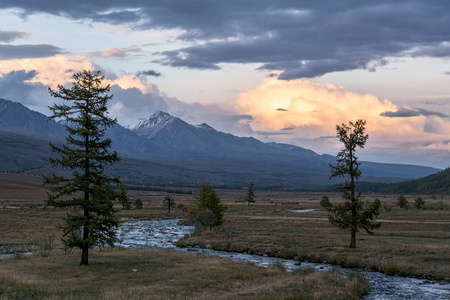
(165, 150)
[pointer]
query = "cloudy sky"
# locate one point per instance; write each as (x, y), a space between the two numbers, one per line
(284, 71)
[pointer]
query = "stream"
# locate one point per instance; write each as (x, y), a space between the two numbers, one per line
(164, 233)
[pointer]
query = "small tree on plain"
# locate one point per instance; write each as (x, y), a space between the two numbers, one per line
(206, 207)
(250, 196)
(168, 203)
(354, 213)
(402, 202)
(138, 203)
(123, 198)
(419, 203)
(88, 191)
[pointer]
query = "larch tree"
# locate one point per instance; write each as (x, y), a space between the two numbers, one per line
(206, 209)
(123, 198)
(250, 195)
(88, 192)
(354, 213)
(168, 202)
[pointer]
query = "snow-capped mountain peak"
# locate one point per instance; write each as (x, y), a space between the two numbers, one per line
(153, 124)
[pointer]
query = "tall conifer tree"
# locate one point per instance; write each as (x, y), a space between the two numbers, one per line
(354, 213)
(89, 190)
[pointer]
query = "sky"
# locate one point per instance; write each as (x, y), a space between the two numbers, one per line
(280, 71)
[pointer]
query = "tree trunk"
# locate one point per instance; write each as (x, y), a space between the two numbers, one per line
(85, 255)
(353, 239)
(353, 204)
(85, 248)
(85, 245)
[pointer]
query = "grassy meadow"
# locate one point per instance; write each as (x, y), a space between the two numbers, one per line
(163, 274)
(410, 242)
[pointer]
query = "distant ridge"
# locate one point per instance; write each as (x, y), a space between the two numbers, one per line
(15, 115)
(164, 149)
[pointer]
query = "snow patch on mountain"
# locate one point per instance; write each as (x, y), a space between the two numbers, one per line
(151, 126)
(204, 126)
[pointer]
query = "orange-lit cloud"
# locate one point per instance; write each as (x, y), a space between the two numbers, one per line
(59, 69)
(300, 110)
(51, 70)
(33, 76)
(132, 81)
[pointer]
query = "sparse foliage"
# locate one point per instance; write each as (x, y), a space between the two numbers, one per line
(402, 202)
(250, 196)
(89, 190)
(168, 203)
(354, 213)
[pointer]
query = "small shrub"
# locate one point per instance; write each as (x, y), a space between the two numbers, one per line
(391, 269)
(362, 285)
(288, 253)
(402, 202)
(325, 202)
(419, 203)
(138, 204)
(387, 207)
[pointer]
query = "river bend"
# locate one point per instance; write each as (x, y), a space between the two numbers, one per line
(164, 233)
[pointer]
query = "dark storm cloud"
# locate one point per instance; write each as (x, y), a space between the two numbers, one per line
(148, 73)
(15, 86)
(407, 113)
(115, 18)
(8, 36)
(298, 38)
(135, 103)
(28, 51)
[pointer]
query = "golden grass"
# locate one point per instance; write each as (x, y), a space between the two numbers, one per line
(163, 274)
(409, 242)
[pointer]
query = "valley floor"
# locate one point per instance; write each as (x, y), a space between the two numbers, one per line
(409, 243)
